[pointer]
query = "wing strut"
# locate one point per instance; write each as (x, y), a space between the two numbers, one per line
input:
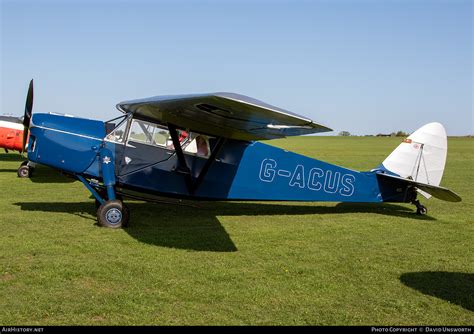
(147, 133)
(221, 141)
(183, 168)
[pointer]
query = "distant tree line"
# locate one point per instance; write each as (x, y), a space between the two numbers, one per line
(393, 134)
(344, 133)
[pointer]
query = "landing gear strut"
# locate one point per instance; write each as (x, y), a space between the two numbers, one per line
(420, 208)
(111, 211)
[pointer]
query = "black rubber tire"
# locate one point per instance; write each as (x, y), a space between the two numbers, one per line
(97, 203)
(421, 210)
(24, 163)
(113, 214)
(23, 172)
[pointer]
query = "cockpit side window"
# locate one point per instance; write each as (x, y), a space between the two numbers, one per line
(118, 135)
(197, 144)
(161, 137)
(150, 133)
(158, 135)
(141, 132)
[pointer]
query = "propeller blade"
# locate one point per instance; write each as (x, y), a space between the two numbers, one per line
(27, 115)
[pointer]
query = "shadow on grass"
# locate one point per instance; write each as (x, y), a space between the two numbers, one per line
(13, 156)
(43, 174)
(162, 225)
(8, 170)
(456, 288)
(385, 209)
(196, 226)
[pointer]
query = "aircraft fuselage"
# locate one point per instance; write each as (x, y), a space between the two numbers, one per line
(240, 170)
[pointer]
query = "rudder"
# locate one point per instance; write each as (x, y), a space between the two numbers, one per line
(420, 157)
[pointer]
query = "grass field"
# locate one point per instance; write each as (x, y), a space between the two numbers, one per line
(239, 263)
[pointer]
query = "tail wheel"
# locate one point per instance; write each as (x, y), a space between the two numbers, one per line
(113, 214)
(421, 210)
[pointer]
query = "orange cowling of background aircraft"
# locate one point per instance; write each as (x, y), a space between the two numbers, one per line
(11, 133)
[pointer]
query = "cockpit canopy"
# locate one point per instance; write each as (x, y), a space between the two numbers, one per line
(154, 134)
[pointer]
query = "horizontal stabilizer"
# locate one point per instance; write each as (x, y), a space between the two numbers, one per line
(436, 191)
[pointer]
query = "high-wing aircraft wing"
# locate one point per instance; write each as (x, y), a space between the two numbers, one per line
(226, 115)
(436, 191)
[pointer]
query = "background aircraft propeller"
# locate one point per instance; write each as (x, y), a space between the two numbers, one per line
(27, 115)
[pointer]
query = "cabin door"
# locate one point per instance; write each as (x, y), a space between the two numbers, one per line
(147, 144)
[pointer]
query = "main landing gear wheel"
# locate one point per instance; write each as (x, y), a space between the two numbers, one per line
(24, 171)
(113, 214)
(420, 208)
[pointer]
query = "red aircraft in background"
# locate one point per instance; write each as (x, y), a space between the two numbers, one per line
(11, 138)
(14, 135)
(11, 133)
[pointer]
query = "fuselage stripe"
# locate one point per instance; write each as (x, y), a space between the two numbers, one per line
(11, 125)
(66, 132)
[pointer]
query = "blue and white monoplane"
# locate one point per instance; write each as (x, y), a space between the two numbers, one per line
(208, 147)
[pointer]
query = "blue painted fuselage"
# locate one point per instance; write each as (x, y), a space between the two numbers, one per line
(66, 143)
(241, 170)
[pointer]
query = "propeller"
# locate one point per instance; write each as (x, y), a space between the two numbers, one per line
(27, 115)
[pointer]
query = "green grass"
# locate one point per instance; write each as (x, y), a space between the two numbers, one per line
(239, 263)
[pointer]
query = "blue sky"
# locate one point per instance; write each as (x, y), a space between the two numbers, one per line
(361, 66)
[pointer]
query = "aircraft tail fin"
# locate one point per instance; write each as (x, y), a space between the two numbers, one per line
(421, 157)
